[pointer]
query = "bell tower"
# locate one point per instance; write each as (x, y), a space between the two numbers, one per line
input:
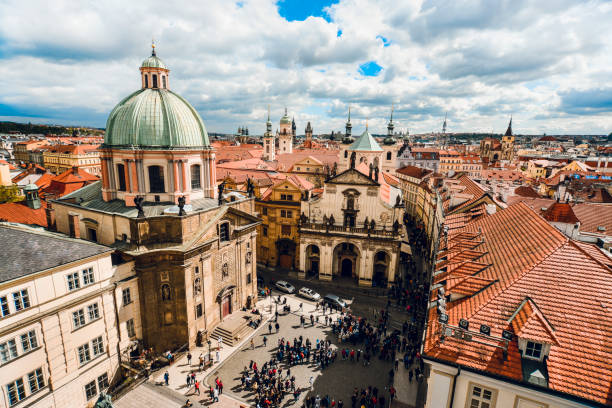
(308, 132)
(269, 141)
(508, 143)
(285, 136)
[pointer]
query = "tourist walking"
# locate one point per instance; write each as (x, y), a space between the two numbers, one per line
(166, 377)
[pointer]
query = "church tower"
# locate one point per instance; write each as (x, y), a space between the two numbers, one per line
(390, 147)
(508, 143)
(269, 141)
(308, 132)
(285, 136)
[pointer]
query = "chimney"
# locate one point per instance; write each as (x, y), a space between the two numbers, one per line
(50, 212)
(73, 221)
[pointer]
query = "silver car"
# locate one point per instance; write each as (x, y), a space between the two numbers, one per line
(308, 293)
(285, 287)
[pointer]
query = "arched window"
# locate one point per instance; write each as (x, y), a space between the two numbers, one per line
(224, 232)
(156, 179)
(196, 183)
(388, 155)
(345, 154)
(146, 81)
(121, 176)
(154, 81)
(164, 81)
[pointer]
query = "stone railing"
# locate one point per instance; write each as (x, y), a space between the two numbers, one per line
(384, 232)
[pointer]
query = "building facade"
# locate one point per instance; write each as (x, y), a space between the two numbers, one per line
(351, 231)
(59, 158)
(68, 314)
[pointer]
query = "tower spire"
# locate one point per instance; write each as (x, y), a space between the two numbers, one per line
(509, 130)
(153, 47)
(444, 124)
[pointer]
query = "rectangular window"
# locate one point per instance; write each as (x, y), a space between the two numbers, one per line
(36, 380)
(28, 341)
(480, 397)
(73, 281)
(8, 351)
(264, 231)
(22, 300)
(283, 213)
(199, 310)
(533, 350)
(265, 211)
(78, 318)
(289, 197)
(93, 311)
(84, 354)
(289, 214)
(224, 234)
(129, 325)
(127, 296)
(90, 390)
(121, 176)
(15, 391)
(88, 276)
(4, 307)
(98, 346)
(195, 177)
(103, 382)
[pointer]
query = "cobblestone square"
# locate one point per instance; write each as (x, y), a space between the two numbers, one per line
(337, 380)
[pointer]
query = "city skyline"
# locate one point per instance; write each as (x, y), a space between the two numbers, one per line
(547, 65)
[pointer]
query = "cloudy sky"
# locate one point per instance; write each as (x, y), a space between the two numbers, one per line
(546, 62)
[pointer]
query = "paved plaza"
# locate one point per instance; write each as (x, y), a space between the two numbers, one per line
(338, 380)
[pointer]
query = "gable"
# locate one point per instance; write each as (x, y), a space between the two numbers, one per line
(308, 161)
(352, 176)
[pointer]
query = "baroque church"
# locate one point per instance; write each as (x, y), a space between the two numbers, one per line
(493, 150)
(193, 244)
(353, 229)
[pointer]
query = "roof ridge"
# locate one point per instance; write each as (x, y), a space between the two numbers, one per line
(573, 243)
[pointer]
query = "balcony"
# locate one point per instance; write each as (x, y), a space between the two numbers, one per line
(350, 231)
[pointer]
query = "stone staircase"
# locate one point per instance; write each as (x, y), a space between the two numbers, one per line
(233, 329)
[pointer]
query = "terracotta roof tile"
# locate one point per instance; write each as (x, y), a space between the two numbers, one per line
(569, 288)
(560, 212)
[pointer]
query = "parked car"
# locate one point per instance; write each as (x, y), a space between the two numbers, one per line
(285, 287)
(309, 294)
(334, 301)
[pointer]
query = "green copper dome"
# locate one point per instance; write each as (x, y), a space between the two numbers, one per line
(153, 62)
(285, 120)
(366, 143)
(155, 118)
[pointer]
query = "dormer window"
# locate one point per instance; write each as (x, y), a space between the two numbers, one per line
(533, 350)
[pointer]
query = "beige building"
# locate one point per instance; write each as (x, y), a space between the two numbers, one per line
(353, 229)
(67, 314)
(59, 158)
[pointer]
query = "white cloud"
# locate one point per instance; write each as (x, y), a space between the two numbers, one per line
(479, 60)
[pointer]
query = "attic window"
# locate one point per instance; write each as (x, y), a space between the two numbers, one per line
(533, 350)
(601, 228)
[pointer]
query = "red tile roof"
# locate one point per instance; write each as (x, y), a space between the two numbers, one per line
(526, 191)
(69, 181)
(560, 212)
(570, 294)
(413, 171)
(20, 213)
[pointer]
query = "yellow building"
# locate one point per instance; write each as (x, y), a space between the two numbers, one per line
(22, 149)
(277, 237)
(59, 158)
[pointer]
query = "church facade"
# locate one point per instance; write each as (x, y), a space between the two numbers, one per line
(352, 230)
(193, 245)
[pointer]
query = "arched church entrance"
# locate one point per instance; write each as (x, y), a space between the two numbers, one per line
(346, 260)
(312, 259)
(380, 275)
(286, 253)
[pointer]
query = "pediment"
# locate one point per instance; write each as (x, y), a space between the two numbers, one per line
(352, 176)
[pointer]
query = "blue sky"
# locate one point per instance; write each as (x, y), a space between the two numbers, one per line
(478, 60)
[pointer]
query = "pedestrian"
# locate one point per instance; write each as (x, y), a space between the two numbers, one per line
(188, 380)
(265, 341)
(252, 344)
(270, 328)
(396, 363)
(311, 381)
(166, 377)
(201, 362)
(220, 387)
(197, 387)
(220, 341)
(217, 356)
(189, 358)
(302, 321)
(277, 327)
(215, 395)
(311, 320)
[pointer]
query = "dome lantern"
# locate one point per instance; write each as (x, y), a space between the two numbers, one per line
(154, 73)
